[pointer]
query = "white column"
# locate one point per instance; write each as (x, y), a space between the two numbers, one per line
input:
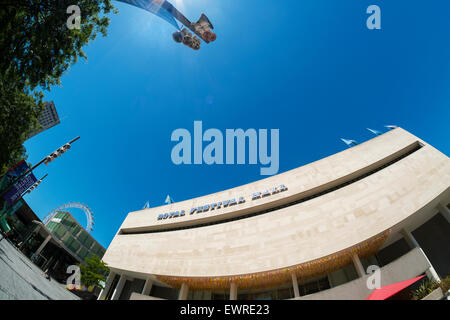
(147, 287)
(444, 211)
(108, 283)
(42, 246)
(183, 292)
(119, 288)
(233, 291)
(412, 242)
(295, 285)
(358, 265)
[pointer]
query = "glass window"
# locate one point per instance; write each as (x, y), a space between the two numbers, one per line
(163, 292)
(88, 242)
(51, 225)
(369, 261)
(274, 294)
(83, 253)
(60, 215)
(286, 293)
(323, 284)
(199, 295)
(75, 229)
(59, 232)
(220, 296)
(68, 241)
(74, 246)
(100, 253)
(83, 236)
(95, 248)
(314, 286)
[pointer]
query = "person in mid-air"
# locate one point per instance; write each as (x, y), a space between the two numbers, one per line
(165, 10)
(202, 28)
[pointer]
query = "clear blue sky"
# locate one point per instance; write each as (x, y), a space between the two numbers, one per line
(310, 68)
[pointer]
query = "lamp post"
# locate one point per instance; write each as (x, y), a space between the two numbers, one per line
(5, 209)
(34, 186)
(52, 156)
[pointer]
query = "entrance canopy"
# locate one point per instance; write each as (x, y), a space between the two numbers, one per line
(388, 291)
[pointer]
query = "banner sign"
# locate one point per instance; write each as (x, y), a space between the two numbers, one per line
(20, 186)
(13, 173)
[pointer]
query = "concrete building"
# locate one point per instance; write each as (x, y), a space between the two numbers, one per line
(308, 233)
(48, 119)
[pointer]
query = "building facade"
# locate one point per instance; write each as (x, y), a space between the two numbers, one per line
(74, 237)
(38, 243)
(49, 118)
(308, 233)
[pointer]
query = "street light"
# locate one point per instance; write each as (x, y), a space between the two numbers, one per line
(35, 185)
(52, 156)
(5, 209)
(57, 153)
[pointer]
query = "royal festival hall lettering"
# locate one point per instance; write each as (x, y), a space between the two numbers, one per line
(222, 204)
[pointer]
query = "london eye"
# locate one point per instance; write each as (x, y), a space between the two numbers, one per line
(87, 211)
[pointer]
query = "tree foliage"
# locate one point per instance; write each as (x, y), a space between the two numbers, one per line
(18, 117)
(93, 271)
(36, 48)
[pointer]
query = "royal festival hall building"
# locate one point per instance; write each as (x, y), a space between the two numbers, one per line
(308, 233)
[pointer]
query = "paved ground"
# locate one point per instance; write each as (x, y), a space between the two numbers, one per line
(20, 279)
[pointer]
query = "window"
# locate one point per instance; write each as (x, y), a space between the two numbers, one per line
(75, 229)
(83, 236)
(95, 248)
(101, 253)
(60, 215)
(392, 252)
(369, 261)
(51, 225)
(199, 295)
(164, 293)
(59, 231)
(314, 286)
(220, 296)
(74, 246)
(88, 242)
(83, 253)
(274, 294)
(68, 241)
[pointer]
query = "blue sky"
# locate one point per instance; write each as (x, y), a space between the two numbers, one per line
(309, 68)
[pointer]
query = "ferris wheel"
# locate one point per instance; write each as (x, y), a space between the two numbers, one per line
(86, 210)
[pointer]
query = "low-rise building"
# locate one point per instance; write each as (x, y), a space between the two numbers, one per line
(67, 229)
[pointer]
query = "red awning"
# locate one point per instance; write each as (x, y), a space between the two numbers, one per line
(388, 291)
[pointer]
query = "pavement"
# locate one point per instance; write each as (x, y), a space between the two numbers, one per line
(20, 279)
